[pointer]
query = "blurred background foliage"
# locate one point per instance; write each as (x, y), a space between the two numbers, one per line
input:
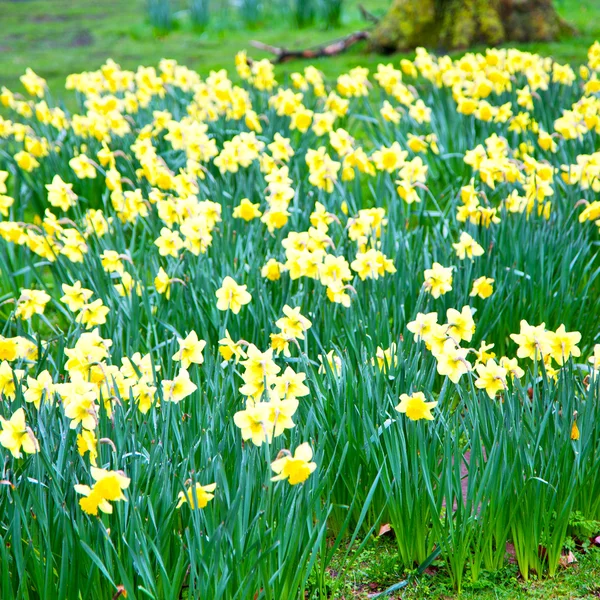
(58, 37)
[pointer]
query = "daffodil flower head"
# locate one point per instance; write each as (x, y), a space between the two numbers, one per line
(297, 468)
(416, 407)
(197, 496)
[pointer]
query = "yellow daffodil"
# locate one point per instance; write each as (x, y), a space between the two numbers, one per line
(416, 407)
(533, 341)
(108, 487)
(177, 389)
(482, 287)
(452, 361)
(467, 247)
(246, 210)
(492, 377)
(75, 296)
(190, 350)
(231, 296)
(563, 344)
(16, 436)
(197, 496)
(438, 280)
(31, 302)
(295, 469)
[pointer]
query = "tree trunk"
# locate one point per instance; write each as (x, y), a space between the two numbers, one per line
(456, 24)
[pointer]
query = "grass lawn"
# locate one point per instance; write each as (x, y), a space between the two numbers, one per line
(58, 37)
(378, 567)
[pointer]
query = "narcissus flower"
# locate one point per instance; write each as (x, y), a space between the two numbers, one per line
(17, 436)
(259, 371)
(75, 296)
(38, 387)
(272, 270)
(93, 314)
(87, 442)
(438, 280)
(112, 262)
(482, 287)
(390, 158)
(60, 194)
(575, 431)
(83, 167)
(246, 210)
(333, 361)
(179, 388)
(8, 380)
(280, 412)
(533, 341)
(416, 407)
(384, 359)
(483, 354)
(372, 264)
(197, 496)
(290, 385)
(452, 361)
(254, 423)
(169, 242)
(467, 247)
(338, 292)
(31, 302)
(595, 358)
(293, 325)
(26, 161)
(460, 324)
(512, 367)
(231, 296)
(81, 407)
(8, 349)
(422, 325)
(162, 283)
(190, 350)
(108, 488)
(145, 396)
(334, 271)
(297, 468)
(128, 286)
(281, 343)
(5, 203)
(228, 348)
(389, 113)
(33, 83)
(492, 377)
(563, 344)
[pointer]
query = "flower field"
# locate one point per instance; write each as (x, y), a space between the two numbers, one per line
(247, 322)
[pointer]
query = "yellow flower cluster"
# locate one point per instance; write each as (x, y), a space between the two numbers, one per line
(140, 198)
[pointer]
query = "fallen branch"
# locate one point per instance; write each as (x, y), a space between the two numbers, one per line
(330, 49)
(367, 16)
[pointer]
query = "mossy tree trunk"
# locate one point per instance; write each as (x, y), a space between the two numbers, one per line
(456, 24)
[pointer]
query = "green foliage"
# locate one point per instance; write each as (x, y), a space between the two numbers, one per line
(304, 12)
(80, 36)
(200, 12)
(250, 11)
(160, 14)
(332, 12)
(454, 490)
